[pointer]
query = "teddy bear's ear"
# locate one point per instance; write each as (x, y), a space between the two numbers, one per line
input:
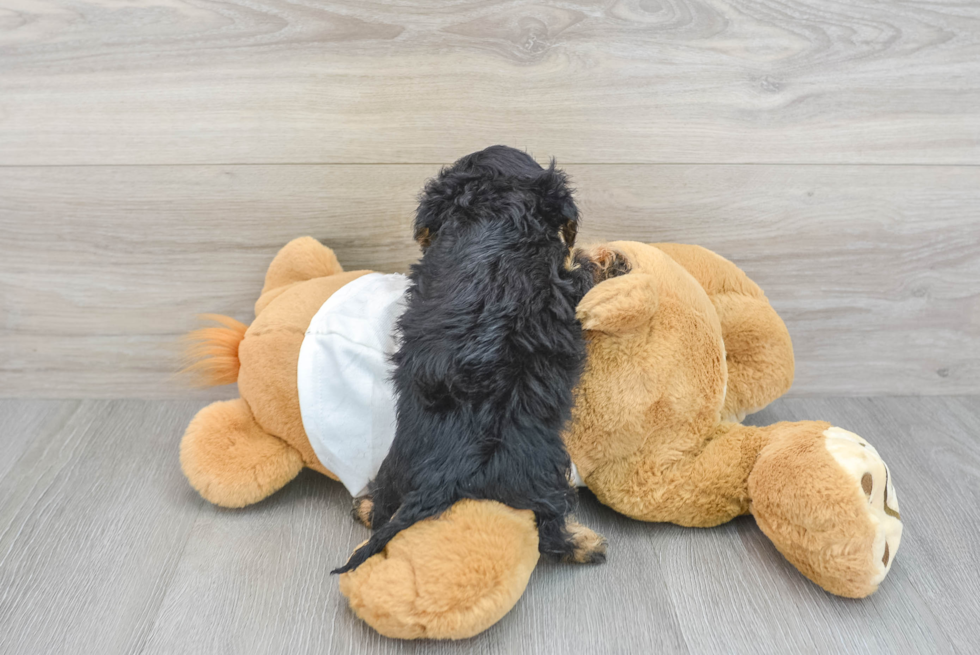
(620, 304)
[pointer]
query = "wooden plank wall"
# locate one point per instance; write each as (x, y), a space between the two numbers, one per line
(154, 155)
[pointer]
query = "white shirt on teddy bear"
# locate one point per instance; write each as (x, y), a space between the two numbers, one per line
(346, 397)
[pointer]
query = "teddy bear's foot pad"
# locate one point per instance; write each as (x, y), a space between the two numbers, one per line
(870, 474)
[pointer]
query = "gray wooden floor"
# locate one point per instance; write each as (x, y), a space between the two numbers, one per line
(105, 549)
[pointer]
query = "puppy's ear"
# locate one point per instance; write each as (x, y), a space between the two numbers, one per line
(435, 201)
(555, 202)
(423, 236)
(568, 233)
(620, 304)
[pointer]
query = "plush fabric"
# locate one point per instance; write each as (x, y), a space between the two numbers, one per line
(230, 460)
(679, 349)
(447, 579)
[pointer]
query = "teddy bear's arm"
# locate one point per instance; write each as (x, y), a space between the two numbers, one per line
(620, 304)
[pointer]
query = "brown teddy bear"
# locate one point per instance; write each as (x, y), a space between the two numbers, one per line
(680, 349)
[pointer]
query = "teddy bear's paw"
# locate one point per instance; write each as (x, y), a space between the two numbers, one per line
(450, 577)
(361, 510)
(230, 460)
(589, 546)
(825, 498)
(873, 482)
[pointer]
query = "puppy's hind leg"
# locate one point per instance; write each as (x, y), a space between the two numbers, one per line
(374, 509)
(588, 546)
(571, 541)
(362, 509)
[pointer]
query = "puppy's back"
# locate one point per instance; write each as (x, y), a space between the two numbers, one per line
(490, 347)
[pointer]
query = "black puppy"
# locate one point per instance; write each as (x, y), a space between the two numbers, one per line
(490, 352)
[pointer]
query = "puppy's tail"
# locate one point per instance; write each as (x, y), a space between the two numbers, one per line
(211, 353)
(407, 515)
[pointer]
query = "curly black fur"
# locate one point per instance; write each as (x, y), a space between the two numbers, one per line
(490, 351)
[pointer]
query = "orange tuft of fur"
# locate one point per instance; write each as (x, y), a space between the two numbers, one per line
(211, 353)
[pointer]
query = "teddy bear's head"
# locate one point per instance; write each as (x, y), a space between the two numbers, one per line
(656, 362)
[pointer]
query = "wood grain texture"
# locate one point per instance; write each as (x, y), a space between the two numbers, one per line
(876, 270)
(340, 81)
(94, 514)
(23, 422)
(915, 610)
(104, 549)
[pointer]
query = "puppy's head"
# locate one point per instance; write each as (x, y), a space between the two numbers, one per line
(498, 184)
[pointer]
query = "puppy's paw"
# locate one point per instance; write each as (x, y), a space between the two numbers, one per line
(361, 510)
(604, 262)
(589, 547)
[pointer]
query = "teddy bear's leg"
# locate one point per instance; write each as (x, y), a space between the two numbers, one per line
(299, 260)
(447, 578)
(758, 353)
(703, 488)
(825, 498)
(230, 460)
